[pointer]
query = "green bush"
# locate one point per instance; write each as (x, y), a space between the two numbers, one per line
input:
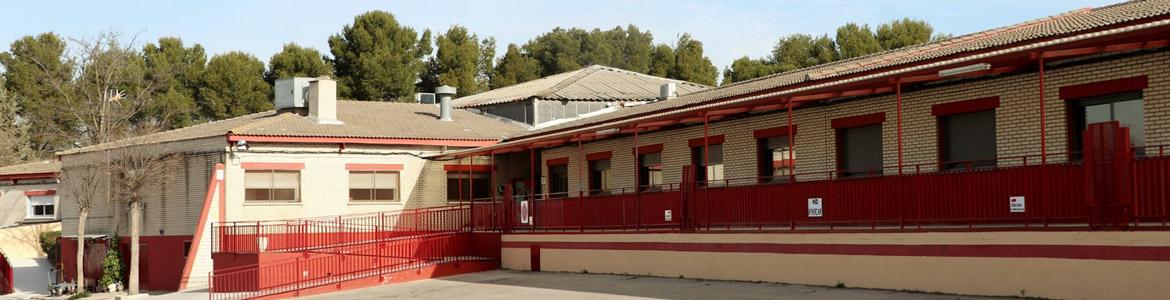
(112, 265)
(50, 244)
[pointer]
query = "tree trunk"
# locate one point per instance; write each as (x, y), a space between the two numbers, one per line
(135, 223)
(80, 262)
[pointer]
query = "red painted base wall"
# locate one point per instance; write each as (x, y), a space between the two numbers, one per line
(160, 264)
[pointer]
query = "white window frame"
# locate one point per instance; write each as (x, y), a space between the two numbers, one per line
(50, 201)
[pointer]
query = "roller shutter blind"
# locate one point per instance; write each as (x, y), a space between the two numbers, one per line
(968, 140)
(861, 151)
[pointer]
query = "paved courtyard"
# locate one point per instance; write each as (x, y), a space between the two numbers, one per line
(534, 285)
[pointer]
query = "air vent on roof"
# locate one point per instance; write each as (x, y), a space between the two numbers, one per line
(668, 90)
(424, 98)
(292, 93)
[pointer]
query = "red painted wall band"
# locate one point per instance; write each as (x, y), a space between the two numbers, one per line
(272, 166)
(711, 140)
(40, 193)
(373, 167)
(1104, 87)
(557, 161)
(648, 149)
(859, 121)
(465, 168)
(599, 155)
(773, 132)
(1130, 253)
(962, 107)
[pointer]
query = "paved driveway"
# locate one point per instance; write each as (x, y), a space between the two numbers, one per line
(545, 286)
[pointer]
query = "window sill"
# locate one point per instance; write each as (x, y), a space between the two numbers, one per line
(374, 203)
(272, 203)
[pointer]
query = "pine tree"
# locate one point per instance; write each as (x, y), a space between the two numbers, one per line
(30, 65)
(233, 85)
(177, 70)
(690, 64)
(514, 67)
(296, 61)
(375, 58)
(856, 40)
(15, 143)
(458, 63)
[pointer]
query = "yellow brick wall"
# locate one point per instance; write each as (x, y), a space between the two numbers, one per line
(172, 208)
(324, 180)
(1017, 118)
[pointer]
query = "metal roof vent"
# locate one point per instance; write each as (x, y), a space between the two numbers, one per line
(667, 91)
(292, 94)
(445, 93)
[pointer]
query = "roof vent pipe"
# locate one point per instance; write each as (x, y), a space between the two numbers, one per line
(445, 93)
(667, 91)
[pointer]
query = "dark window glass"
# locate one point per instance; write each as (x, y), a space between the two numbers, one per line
(650, 169)
(968, 140)
(599, 176)
(774, 159)
(708, 168)
(1126, 108)
(860, 151)
(558, 180)
(463, 187)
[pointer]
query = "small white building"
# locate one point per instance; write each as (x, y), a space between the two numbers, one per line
(28, 206)
(313, 155)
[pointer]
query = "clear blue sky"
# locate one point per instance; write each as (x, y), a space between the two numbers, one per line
(728, 29)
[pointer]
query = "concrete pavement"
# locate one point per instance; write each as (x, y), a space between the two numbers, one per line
(502, 285)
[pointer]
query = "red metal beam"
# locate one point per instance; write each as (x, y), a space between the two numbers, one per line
(730, 111)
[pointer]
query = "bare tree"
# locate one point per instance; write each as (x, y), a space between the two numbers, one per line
(108, 91)
(82, 185)
(139, 169)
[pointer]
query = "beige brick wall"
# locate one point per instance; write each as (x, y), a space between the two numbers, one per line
(173, 208)
(1017, 118)
(325, 180)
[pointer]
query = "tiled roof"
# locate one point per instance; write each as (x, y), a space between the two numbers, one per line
(46, 166)
(361, 119)
(592, 83)
(1072, 22)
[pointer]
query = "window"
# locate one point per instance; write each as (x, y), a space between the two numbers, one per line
(859, 151)
(373, 186)
(775, 164)
(1126, 108)
(708, 168)
(41, 207)
(186, 248)
(598, 176)
(462, 186)
(558, 180)
(967, 140)
(650, 170)
(272, 185)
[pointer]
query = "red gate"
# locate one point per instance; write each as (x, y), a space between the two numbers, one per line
(1108, 162)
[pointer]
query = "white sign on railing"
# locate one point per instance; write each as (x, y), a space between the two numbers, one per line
(815, 207)
(1016, 204)
(524, 212)
(668, 217)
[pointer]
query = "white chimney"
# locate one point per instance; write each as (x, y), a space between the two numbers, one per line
(323, 100)
(445, 93)
(668, 90)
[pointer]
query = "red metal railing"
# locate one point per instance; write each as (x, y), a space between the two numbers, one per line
(921, 197)
(335, 265)
(6, 285)
(313, 233)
